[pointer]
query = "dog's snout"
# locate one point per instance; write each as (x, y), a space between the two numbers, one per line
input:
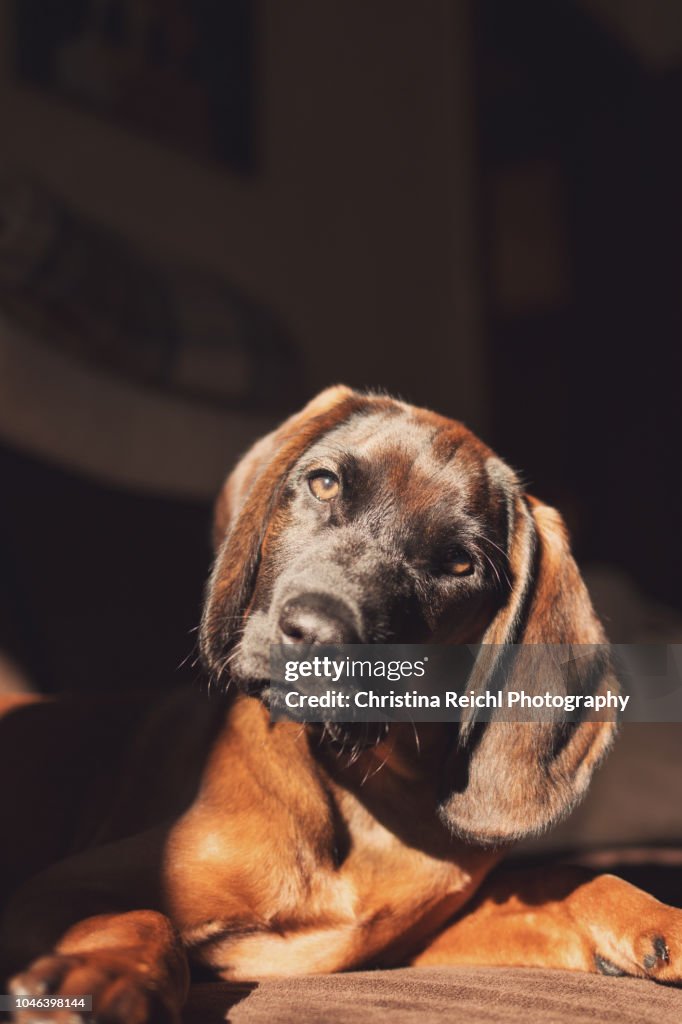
(317, 619)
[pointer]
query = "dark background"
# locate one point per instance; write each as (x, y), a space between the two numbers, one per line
(475, 205)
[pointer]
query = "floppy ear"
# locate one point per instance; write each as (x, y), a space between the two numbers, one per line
(509, 779)
(244, 508)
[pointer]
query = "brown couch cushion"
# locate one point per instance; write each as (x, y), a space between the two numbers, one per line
(480, 995)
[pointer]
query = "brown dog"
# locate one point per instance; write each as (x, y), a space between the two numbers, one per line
(141, 839)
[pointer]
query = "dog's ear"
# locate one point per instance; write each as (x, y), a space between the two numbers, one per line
(509, 779)
(244, 508)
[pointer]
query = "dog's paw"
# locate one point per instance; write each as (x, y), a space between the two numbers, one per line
(118, 991)
(633, 933)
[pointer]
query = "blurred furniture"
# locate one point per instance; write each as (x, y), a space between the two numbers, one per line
(181, 72)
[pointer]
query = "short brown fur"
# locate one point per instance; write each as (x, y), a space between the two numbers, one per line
(203, 833)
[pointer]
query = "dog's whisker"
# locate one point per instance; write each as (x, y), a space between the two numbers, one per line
(488, 540)
(190, 654)
(417, 741)
(493, 566)
(370, 774)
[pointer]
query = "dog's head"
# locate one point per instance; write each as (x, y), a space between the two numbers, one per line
(366, 520)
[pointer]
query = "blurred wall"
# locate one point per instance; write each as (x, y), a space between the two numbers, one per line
(358, 228)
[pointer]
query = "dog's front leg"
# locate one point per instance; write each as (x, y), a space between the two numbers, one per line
(79, 928)
(564, 917)
(132, 965)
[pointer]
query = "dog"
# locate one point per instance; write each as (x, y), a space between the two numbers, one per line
(143, 838)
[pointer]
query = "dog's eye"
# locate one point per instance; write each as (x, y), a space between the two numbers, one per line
(459, 563)
(324, 485)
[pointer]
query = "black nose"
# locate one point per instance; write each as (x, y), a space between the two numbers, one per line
(317, 619)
